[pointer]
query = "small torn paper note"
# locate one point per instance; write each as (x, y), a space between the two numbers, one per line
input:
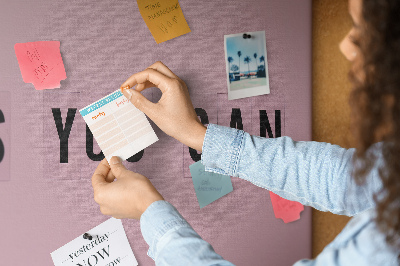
(209, 186)
(164, 18)
(284, 209)
(108, 246)
(118, 126)
(41, 63)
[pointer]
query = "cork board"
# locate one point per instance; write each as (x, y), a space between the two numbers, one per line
(331, 89)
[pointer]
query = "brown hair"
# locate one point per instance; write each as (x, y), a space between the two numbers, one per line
(375, 103)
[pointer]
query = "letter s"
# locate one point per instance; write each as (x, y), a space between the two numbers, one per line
(2, 120)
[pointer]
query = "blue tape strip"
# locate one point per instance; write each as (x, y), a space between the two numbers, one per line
(101, 103)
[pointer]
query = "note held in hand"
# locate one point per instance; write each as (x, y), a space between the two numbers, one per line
(118, 126)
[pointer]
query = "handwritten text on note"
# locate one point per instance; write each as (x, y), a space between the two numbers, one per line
(284, 209)
(41, 63)
(164, 19)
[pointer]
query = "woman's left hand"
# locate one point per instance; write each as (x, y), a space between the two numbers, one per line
(128, 196)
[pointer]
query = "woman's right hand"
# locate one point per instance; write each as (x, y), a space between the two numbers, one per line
(173, 113)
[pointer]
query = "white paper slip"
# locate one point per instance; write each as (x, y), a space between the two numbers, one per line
(108, 247)
(118, 126)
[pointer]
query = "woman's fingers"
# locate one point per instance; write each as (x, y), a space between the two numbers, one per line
(100, 174)
(110, 177)
(160, 67)
(141, 102)
(159, 80)
(142, 86)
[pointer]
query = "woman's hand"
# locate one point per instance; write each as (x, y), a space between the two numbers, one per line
(127, 197)
(173, 113)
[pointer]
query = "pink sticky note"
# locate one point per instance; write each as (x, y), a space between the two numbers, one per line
(284, 209)
(41, 63)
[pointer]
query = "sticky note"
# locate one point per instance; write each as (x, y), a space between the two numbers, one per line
(108, 246)
(41, 63)
(284, 209)
(164, 18)
(119, 128)
(209, 186)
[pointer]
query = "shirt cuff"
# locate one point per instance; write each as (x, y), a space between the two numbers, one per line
(221, 150)
(159, 218)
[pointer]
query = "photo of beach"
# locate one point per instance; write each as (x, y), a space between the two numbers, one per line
(246, 64)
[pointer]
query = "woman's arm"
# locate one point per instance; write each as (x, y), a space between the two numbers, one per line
(171, 239)
(313, 173)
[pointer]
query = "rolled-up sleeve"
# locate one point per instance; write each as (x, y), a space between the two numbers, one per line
(315, 174)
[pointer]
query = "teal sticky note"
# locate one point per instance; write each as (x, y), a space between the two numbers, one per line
(209, 186)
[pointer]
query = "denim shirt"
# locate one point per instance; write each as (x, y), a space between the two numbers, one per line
(313, 173)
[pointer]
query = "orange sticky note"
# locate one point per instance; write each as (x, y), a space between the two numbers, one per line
(164, 18)
(284, 209)
(41, 63)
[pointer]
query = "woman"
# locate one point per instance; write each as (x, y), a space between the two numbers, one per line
(320, 175)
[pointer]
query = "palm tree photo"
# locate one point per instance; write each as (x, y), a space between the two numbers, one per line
(262, 59)
(230, 60)
(239, 51)
(255, 60)
(247, 60)
(239, 54)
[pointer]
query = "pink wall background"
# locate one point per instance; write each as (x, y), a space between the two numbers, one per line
(46, 204)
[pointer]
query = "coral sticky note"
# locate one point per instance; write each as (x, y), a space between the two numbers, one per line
(284, 209)
(41, 63)
(164, 18)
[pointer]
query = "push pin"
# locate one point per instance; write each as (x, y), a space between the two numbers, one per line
(246, 36)
(87, 236)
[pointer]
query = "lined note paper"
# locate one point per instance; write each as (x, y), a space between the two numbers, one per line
(119, 128)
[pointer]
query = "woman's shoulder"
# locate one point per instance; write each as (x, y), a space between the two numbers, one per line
(362, 241)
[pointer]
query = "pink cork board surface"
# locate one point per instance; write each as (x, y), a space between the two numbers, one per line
(46, 199)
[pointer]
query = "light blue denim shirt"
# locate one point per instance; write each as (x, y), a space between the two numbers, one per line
(313, 173)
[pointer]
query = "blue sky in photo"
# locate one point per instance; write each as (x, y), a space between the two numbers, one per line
(248, 47)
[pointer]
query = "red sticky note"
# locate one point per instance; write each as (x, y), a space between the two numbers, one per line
(41, 63)
(284, 209)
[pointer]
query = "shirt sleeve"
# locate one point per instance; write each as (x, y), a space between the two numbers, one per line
(315, 174)
(171, 239)
(359, 243)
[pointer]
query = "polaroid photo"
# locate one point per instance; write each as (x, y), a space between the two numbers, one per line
(246, 64)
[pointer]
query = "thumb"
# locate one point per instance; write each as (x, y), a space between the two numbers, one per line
(117, 168)
(138, 100)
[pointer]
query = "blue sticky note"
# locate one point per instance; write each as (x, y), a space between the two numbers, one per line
(209, 186)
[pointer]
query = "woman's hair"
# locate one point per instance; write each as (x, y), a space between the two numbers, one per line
(375, 103)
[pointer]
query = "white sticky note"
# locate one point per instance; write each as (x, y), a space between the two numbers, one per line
(118, 126)
(108, 247)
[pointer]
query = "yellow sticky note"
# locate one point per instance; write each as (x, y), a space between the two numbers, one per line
(164, 18)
